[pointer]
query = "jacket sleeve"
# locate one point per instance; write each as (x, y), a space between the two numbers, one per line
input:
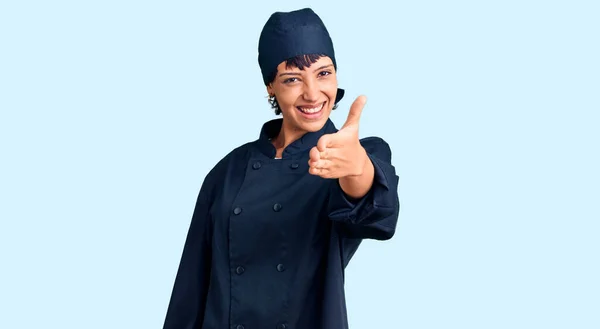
(188, 298)
(375, 215)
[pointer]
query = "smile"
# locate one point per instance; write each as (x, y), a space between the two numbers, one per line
(311, 110)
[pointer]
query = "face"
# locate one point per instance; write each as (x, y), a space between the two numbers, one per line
(306, 96)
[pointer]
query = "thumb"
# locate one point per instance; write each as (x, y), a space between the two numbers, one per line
(355, 111)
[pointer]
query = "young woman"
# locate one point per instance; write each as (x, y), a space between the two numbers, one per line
(278, 219)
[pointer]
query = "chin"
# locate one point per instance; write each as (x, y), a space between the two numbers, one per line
(312, 125)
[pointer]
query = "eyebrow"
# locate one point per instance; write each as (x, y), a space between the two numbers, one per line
(296, 73)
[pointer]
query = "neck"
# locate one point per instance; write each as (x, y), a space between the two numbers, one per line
(287, 135)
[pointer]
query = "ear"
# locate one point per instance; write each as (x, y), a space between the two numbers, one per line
(270, 89)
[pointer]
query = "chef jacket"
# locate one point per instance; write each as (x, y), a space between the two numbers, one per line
(268, 242)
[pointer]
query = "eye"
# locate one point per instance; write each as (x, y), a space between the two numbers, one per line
(324, 73)
(290, 80)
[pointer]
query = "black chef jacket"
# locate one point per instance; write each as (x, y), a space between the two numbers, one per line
(268, 242)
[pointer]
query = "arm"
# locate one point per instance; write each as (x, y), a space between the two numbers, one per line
(188, 298)
(373, 215)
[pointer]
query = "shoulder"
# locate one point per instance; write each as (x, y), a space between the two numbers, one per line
(226, 165)
(377, 146)
(373, 142)
(235, 156)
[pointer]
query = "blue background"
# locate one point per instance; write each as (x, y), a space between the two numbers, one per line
(112, 113)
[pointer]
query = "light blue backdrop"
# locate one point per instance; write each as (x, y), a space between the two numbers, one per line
(112, 112)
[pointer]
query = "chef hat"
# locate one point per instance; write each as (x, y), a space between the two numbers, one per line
(289, 34)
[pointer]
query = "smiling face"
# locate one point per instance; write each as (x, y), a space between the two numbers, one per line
(305, 97)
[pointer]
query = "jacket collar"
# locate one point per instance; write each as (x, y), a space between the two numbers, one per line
(271, 129)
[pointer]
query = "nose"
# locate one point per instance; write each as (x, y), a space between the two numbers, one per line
(311, 91)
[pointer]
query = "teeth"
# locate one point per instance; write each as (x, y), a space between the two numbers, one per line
(311, 110)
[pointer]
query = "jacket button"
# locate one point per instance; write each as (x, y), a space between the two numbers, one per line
(239, 270)
(277, 207)
(237, 210)
(280, 268)
(256, 165)
(282, 326)
(239, 326)
(294, 166)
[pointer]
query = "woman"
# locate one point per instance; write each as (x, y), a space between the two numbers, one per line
(278, 219)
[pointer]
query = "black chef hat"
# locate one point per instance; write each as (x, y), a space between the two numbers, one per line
(289, 34)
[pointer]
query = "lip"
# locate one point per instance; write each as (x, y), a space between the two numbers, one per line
(315, 115)
(311, 105)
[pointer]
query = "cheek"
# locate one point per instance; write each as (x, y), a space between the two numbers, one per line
(332, 93)
(331, 87)
(287, 101)
(283, 97)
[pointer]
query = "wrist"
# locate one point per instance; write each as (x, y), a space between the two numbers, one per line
(361, 163)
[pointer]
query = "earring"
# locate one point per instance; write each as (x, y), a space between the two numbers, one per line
(272, 100)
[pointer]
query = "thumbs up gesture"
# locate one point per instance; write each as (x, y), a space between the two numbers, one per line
(340, 154)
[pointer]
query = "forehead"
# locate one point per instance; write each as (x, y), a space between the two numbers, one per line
(322, 61)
